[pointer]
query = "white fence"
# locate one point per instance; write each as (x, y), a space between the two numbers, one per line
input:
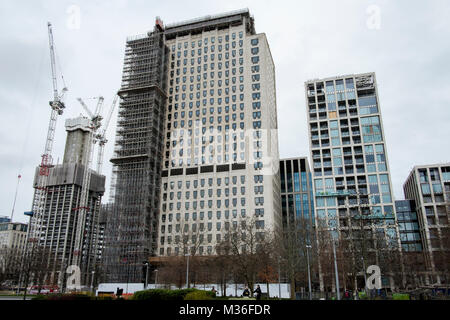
(232, 289)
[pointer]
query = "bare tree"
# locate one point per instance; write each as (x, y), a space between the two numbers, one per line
(325, 255)
(291, 248)
(9, 265)
(188, 239)
(244, 242)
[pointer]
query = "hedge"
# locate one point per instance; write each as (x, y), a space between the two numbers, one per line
(162, 294)
(400, 296)
(59, 296)
(200, 295)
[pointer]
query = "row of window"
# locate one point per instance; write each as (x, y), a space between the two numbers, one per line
(205, 40)
(259, 201)
(202, 182)
(201, 215)
(201, 193)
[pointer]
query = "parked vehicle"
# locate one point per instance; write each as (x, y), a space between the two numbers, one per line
(44, 289)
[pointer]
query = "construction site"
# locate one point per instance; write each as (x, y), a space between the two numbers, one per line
(137, 162)
(66, 225)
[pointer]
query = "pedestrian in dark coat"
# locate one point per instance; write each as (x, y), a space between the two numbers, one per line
(258, 292)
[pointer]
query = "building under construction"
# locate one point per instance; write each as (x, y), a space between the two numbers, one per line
(132, 221)
(55, 228)
(164, 74)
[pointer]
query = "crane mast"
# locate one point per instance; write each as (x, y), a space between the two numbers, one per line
(101, 137)
(57, 107)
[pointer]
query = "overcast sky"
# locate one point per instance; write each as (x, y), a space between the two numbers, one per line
(407, 44)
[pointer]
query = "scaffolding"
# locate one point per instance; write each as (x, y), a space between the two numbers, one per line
(131, 227)
(132, 224)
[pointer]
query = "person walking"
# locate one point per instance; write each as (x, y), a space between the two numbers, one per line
(258, 292)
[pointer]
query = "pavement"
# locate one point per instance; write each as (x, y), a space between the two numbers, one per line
(14, 298)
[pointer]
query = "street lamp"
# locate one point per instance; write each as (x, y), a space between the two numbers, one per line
(187, 271)
(92, 281)
(279, 278)
(365, 276)
(146, 274)
(336, 272)
(309, 271)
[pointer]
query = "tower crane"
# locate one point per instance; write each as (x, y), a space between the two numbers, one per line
(57, 106)
(38, 206)
(83, 209)
(101, 137)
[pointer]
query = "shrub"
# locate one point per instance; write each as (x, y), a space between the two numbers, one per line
(104, 298)
(362, 295)
(162, 294)
(200, 295)
(59, 296)
(400, 296)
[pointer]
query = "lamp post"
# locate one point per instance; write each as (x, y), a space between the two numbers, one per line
(156, 277)
(92, 280)
(365, 276)
(336, 272)
(279, 279)
(146, 274)
(187, 271)
(309, 271)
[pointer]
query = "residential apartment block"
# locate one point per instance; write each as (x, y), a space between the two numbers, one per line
(348, 151)
(351, 177)
(429, 187)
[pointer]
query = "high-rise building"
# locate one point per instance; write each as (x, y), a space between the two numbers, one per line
(197, 145)
(408, 225)
(13, 239)
(429, 186)
(297, 199)
(55, 229)
(13, 235)
(4, 219)
(77, 140)
(131, 227)
(352, 182)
